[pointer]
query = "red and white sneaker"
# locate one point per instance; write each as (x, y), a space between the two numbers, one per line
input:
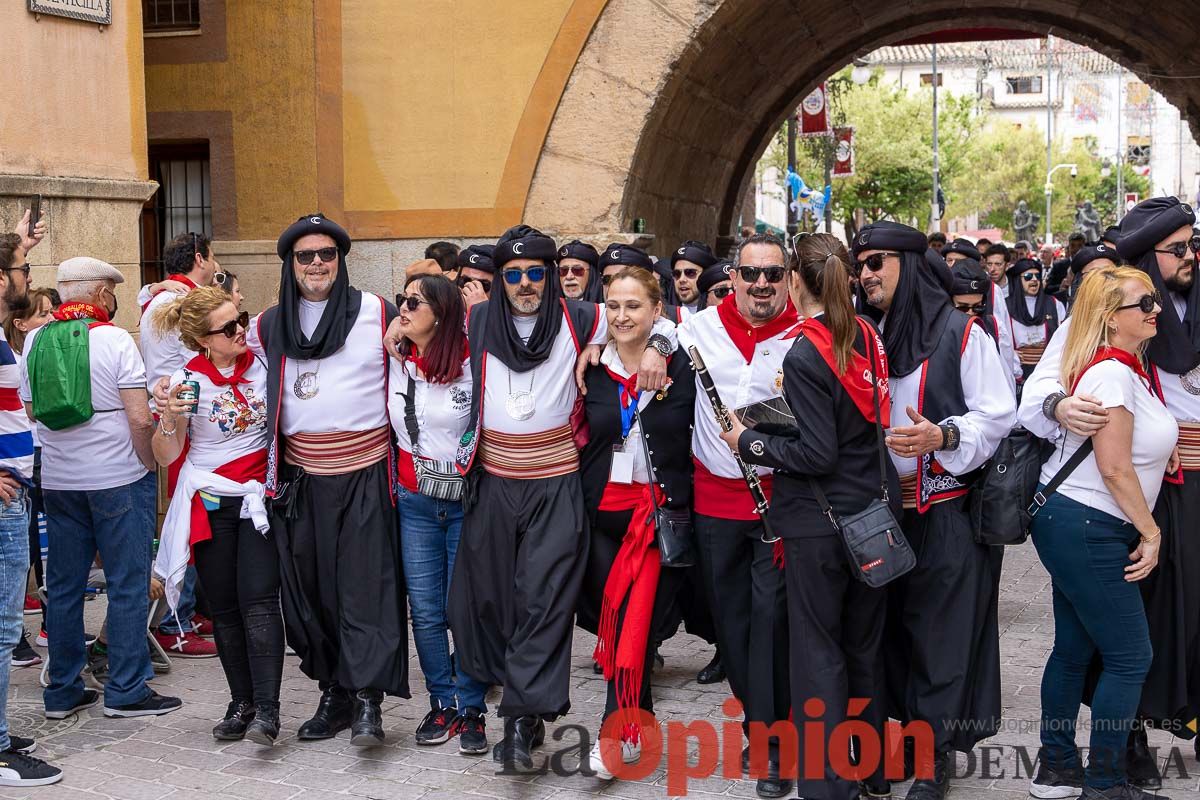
(188, 645)
(202, 625)
(32, 604)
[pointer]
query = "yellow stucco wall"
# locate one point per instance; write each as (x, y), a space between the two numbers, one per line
(73, 94)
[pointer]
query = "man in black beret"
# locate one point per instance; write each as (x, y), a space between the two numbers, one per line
(948, 417)
(1035, 313)
(687, 262)
(960, 248)
(577, 265)
(714, 284)
(475, 271)
(997, 322)
(1083, 262)
(333, 518)
(618, 256)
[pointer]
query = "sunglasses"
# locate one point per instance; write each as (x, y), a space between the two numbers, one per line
(535, 274)
(578, 270)
(411, 302)
(1145, 303)
(773, 274)
(974, 310)
(1031, 276)
(1180, 249)
(230, 329)
(873, 262)
(326, 254)
(721, 292)
(463, 280)
(687, 272)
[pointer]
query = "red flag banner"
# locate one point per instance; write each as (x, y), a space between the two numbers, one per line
(814, 113)
(843, 156)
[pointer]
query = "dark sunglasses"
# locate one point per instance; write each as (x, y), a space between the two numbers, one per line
(1145, 303)
(1180, 249)
(535, 274)
(326, 254)
(1031, 276)
(230, 329)
(219, 278)
(463, 280)
(578, 270)
(411, 302)
(686, 272)
(976, 310)
(721, 292)
(873, 262)
(773, 274)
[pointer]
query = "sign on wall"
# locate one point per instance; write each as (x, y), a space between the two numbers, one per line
(97, 11)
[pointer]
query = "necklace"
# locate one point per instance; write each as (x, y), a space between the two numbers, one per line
(520, 405)
(306, 386)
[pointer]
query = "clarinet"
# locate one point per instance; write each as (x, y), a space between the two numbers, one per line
(722, 414)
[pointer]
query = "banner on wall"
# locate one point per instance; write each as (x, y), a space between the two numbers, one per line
(814, 113)
(843, 155)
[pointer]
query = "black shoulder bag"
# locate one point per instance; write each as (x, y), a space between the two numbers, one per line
(672, 527)
(875, 546)
(437, 479)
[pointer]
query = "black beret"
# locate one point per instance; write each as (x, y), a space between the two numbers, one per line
(889, 235)
(1151, 221)
(1023, 264)
(1112, 234)
(477, 256)
(698, 253)
(522, 241)
(580, 250)
(312, 223)
(714, 274)
(969, 277)
(963, 247)
(1087, 255)
(625, 255)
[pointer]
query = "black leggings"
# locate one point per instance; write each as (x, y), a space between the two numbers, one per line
(239, 569)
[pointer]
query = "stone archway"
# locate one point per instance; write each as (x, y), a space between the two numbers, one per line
(672, 102)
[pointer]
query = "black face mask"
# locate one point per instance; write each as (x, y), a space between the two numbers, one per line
(113, 314)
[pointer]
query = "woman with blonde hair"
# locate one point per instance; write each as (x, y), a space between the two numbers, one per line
(1097, 536)
(216, 413)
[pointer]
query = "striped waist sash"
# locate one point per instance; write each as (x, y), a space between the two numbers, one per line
(529, 456)
(1189, 445)
(1031, 354)
(908, 491)
(337, 452)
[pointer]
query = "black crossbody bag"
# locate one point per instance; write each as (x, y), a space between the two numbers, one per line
(437, 479)
(875, 545)
(672, 527)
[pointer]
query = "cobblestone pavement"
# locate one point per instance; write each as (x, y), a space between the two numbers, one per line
(176, 756)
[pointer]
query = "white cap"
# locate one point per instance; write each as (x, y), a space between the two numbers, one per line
(86, 268)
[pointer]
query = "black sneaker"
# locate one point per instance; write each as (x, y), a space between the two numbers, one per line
(1055, 784)
(1122, 791)
(89, 698)
(439, 725)
(23, 655)
(97, 661)
(472, 734)
(155, 705)
(19, 744)
(17, 769)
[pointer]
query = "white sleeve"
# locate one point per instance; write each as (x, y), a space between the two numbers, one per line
(991, 414)
(253, 342)
(1111, 383)
(144, 296)
(1008, 353)
(668, 329)
(26, 394)
(131, 371)
(1042, 383)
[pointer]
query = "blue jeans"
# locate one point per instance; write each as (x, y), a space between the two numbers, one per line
(429, 531)
(187, 606)
(1095, 609)
(120, 524)
(14, 571)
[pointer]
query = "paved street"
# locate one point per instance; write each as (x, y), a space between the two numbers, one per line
(175, 756)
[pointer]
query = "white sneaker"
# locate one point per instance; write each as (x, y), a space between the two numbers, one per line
(630, 753)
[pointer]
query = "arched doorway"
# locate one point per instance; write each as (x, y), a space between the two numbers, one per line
(671, 102)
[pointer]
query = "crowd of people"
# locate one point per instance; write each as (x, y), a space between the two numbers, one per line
(783, 451)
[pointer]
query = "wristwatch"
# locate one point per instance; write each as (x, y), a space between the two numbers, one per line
(659, 343)
(950, 436)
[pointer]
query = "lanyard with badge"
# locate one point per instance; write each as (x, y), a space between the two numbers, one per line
(622, 459)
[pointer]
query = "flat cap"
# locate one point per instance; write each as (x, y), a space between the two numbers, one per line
(86, 268)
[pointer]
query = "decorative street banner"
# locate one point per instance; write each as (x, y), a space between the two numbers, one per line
(843, 156)
(814, 114)
(97, 11)
(1131, 200)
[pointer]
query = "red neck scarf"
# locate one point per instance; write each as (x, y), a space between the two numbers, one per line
(81, 311)
(744, 335)
(207, 369)
(184, 279)
(1104, 353)
(422, 364)
(856, 380)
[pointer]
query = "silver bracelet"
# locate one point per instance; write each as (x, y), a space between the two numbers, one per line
(167, 433)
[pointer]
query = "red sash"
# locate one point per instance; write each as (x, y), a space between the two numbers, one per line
(250, 467)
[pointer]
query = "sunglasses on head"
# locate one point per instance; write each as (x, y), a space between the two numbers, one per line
(1031, 276)
(326, 254)
(1180, 249)
(578, 270)
(773, 274)
(721, 292)
(974, 309)
(220, 278)
(1145, 303)
(411, 302)
(463, 280)
(230, 329)
(685, 272)
(535, 274)
(873, 262)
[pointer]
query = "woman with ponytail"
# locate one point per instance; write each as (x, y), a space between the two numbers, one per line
(215, 414)
(835, 622)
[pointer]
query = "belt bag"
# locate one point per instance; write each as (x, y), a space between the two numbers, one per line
(672, 527)
(437, 479)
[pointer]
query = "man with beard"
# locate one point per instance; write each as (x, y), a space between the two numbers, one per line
(617, 256)
(523, 547)
(1035, 314)
(1158, 237)
(941, 374)
(577, 265)
(742, 342)
(1001, 323)
(475, 272)
(333, 514)
(687, 262)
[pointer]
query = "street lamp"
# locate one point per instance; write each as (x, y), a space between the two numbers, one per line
(1049, 188)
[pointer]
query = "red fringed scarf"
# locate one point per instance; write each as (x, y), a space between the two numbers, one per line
(1104, 353)
(81, 311)
(744, 335)
(855, 379)
(634, 575)
(207, 369)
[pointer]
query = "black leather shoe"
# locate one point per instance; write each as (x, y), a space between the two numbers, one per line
(264, 729)
(521, 735)
(333, 716)
(936, 788)
(237, 717)
(773, 787)
(367, 728)
(1141, 768)
(714, 672)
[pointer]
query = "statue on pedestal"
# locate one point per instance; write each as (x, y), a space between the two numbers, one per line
(1087, 222)
(1025, 222)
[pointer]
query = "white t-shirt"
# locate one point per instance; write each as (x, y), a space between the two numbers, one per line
(1154, 434)
(97, 454)
(162, 353)
(223, 429)
(442, 410)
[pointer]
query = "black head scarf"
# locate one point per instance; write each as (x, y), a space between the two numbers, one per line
(1176, 346)
(500, 337)
(594, 291)
(941, 270)
(1018, 306)
(920, 304)
(283, 332)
